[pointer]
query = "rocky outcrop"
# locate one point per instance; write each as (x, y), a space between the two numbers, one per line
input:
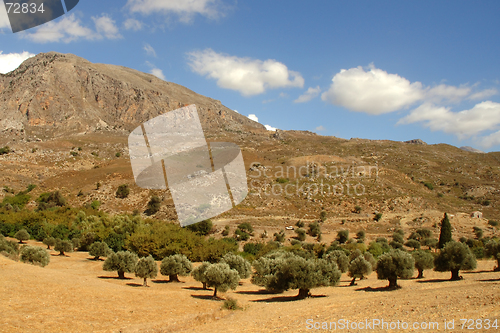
(63, 91)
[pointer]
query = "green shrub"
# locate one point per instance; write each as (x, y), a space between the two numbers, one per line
(301, 234)
(282, 180)
(252, 248)
(153, 205)
(238, 263)
(493, 223)
(340, 258)
(50, 200)
(377, 217)
(123, 191)
(35, 255)
(279, 236)
(314, 229)
(322, 216)
(202, 228)
(493, 250)
(429, 186)
(300, 224)
(342, 236)
(5, 150)
(231, 304)
(99, 249)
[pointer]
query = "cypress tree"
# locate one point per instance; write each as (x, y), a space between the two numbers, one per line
(445, 235)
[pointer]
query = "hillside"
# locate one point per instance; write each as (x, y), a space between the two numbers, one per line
(66, 119)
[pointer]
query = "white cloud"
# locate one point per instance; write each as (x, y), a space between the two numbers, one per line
(106, 27)
(248, 76)
(308, 95)
(10, 61)
(270, 128)
(70, 29)
(374, 91)
(253, 117)
(150, 50)
(320, 128)
(132, 24)
(483, 94)
(184, 9)
(482, 117)
(156, 71)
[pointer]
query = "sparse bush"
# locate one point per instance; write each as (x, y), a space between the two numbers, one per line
(360, 235)
(314, 229)
(393, 265)
(252, 248)
(279, 236)
(231, 304)
(429, 186)
(357, 209)
(146, 268)
(95, 204)
(377, 217)
(342, 236)
(221, 277)
(202, 228)
(415, 244)
(199, 273)
(5, 150)
(75, 241)
(423, 260)
(121, 262)
(430, 242)
(445, 234)
(63, 246)
(493, 223)
(153, 205)
(49, 241)
(225, 232)
(99, 249)
(454, 257)
(22, 235)
(177, 264)
(397, 237)
(301, 234)
(340, 258)
(358, 268)
(300, 224)
(118, 154)
(86, 240)
(35, 255)
(49, 200)
(123, 191)
(478, 232)
(9, 248)
(322, 216)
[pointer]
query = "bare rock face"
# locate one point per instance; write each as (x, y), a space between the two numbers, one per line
(54, 94)
(416, 142)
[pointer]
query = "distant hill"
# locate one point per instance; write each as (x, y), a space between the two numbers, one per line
(472, 150)
(57, 94)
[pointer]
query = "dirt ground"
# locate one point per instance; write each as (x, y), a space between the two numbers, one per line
(74, 294)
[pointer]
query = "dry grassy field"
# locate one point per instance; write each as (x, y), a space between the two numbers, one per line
(74, 294)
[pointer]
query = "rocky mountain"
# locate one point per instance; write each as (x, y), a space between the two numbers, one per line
(55, 94)
(471, 149)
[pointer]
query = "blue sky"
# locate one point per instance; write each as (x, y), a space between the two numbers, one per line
(395, 70)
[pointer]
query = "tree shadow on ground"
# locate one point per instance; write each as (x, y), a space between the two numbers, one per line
(490, 280)
(208, 297)
(475, 272)
(434, 281)
(135, 284)
(258, 292)
(92, 259)
(285, 299)
(196, 288)
(166, 281)
(59, 255)
(113, 278)
(370, 289)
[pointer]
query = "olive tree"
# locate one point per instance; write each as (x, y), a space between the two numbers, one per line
(49, 241)
(22, 235)
(393, 265)
(265, 267)
(99, 249)
(174, 265)
(296, 272)
(423, 260)
(493, 249)
(199, 273)
(122, 262)
(63, 246)
(455, 256)
(146, 268)
(35, 255)
(358, 268)
(340, 258)
(240, 264)
(221, 277)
